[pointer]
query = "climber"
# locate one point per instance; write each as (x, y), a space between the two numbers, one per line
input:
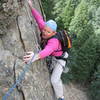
(52, 48)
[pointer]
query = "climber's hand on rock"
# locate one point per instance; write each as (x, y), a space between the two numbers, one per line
(30, 3)
(28, 56)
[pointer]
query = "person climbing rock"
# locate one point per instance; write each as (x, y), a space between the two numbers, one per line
(52, 48)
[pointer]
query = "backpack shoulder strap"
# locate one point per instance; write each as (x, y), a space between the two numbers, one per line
(57, 36)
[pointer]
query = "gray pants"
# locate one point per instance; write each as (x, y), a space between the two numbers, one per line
(56, 76)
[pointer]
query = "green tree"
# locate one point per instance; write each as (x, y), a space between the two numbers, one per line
(64, 12)
(58, 9)
(94, 88)
(84, 52)
(80, 20)
(48, 8)
(84, 60)
(68, 12)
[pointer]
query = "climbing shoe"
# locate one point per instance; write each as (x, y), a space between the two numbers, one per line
(61, 99)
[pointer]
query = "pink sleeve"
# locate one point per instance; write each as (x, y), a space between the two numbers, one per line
(38, 18)
(51, 46)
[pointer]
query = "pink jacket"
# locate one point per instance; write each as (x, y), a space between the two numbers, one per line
(53, 45)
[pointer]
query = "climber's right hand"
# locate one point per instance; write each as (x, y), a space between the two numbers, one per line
(28, 57)
(30, 3)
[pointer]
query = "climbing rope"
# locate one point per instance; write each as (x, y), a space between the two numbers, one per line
(41, 7)
(21, 77)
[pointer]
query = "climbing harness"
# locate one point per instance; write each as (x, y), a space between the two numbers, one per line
(21, 77)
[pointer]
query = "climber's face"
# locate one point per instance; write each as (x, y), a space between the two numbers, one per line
(47, 32)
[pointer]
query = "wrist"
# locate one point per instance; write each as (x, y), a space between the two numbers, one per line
(36, 57)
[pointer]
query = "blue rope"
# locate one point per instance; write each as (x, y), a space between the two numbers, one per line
(21, 77)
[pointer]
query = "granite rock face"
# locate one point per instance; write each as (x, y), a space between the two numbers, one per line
(19, 33)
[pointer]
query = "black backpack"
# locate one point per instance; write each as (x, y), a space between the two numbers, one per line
(65, 40)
